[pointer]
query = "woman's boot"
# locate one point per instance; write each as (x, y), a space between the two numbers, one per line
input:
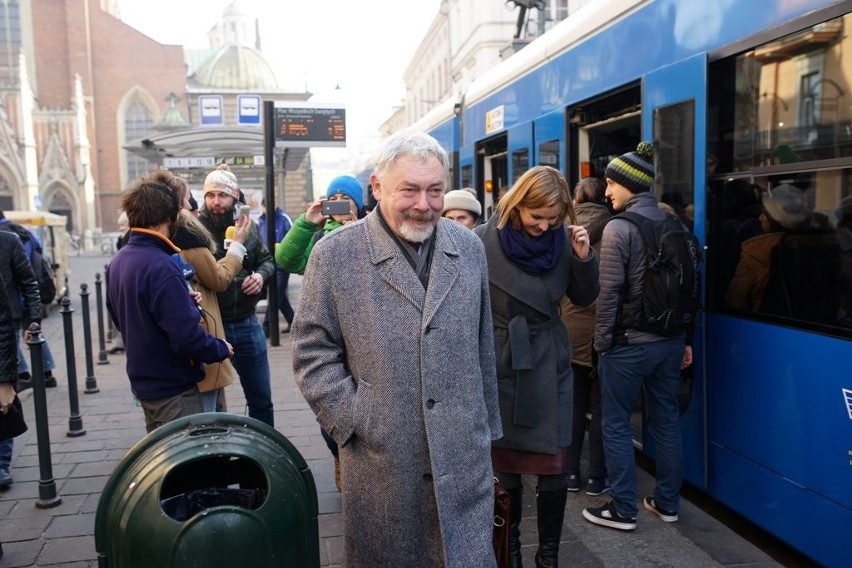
(551, 512)
(515, 512)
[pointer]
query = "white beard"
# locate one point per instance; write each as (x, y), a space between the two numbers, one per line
(414, 234)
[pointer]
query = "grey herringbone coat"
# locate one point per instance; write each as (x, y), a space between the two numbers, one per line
(404, 380)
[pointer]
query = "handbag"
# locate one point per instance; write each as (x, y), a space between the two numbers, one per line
(12, 423)
(500, 539)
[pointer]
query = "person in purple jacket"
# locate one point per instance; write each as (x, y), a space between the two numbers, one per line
(148, 299)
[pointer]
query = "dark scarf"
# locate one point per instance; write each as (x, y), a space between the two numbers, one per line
(535, 256)
(420, 261)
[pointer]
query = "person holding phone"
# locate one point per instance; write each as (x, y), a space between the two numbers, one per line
(238, 301)
(342, 203)
(536, 256)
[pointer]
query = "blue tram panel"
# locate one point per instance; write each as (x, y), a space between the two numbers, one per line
(769, 428)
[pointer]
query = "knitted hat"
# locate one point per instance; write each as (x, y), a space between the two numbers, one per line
(634, 170)
(462, 199)
(348, 186)
(786, 206)
(222, 179)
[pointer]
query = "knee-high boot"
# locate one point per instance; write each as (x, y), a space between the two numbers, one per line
(515, 514)
(551, 513)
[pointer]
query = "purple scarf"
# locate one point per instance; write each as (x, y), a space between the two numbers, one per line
(535, 256)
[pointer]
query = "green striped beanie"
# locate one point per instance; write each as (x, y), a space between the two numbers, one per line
(634, 170)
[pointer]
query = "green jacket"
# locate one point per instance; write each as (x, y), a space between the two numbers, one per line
(295, 248)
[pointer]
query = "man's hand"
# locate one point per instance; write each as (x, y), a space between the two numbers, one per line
(7, 397)
(253, 284)
(687, 357)
(230, 350)
(242, 226)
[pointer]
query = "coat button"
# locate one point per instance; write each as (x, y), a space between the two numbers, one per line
(427, 477)
(430, 403)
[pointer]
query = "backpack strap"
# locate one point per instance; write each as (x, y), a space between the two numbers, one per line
(645, 226)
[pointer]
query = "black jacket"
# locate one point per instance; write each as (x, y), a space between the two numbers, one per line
(234, 304)
(17, 280)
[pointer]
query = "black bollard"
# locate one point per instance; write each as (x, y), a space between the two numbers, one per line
(47, 496)
(110, 330)
(91, 382)
(99, 304)
(75, 421)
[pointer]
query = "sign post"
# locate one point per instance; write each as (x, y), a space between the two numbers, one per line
(293, 125)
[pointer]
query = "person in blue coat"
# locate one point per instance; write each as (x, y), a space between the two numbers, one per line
(282, 227)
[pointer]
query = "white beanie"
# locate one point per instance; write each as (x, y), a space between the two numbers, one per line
(785, 204)
(462, 199)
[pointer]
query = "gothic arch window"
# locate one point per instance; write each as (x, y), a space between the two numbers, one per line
(7, 196)
(138, 123)
(61, 205)
(10, 41)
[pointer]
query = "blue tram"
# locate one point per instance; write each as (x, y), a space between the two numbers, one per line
(739, 97)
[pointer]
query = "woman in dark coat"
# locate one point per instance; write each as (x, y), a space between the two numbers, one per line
(534, 260)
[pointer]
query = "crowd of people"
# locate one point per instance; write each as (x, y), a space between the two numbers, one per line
(438, 349)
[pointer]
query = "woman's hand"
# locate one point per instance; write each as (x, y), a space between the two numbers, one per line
(579, 240)
(241, 229)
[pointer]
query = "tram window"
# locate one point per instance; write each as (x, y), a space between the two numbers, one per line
(520, 163)
(781, 249)
(777, 129)
(787, 101)
(674, 133)
(548, 153)
(467, 176)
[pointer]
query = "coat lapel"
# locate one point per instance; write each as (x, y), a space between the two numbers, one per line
(392, 266)
(444, 271)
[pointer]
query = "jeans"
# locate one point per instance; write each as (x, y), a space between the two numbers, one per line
(587, 398)
(6, 447)
(623, 371)
(283, 279)
(252, 364)
(46, 357)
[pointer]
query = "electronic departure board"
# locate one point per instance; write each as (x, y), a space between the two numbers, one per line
(306, 127)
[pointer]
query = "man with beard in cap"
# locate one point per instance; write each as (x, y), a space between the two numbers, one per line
(238, 302)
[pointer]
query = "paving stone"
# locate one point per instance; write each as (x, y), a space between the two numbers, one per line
(73, 549)
(21, 554)
(72, 525)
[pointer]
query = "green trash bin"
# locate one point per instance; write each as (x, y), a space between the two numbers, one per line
(209, 490)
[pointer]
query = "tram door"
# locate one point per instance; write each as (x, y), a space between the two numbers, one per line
(675, 103)
(492, 171)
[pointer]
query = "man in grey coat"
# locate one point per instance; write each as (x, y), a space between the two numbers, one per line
(393, 350)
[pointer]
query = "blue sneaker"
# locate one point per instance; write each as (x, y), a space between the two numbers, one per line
(573, 482)
(665, 516)
(607, 516)
(596, 486)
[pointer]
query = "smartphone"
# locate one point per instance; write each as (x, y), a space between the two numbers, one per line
(241, 211)
(338, 207)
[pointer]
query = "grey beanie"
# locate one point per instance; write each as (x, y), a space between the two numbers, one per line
(786, 206)
(462, 199)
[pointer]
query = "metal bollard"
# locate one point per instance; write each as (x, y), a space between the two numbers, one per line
(91, 382)
(110, 330)
(47, 496)
(75, 421)
(99, 305)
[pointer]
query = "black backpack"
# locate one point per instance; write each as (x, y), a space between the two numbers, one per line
(670, 297)
(41, 267)
(44, 275)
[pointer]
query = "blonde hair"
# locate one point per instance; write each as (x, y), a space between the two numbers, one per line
(189, 222)
(538, 187)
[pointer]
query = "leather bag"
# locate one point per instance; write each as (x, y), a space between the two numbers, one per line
(12, 423)
(502, 502)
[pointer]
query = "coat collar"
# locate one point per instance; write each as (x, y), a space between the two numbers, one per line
(395, 270)
(504, 274)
